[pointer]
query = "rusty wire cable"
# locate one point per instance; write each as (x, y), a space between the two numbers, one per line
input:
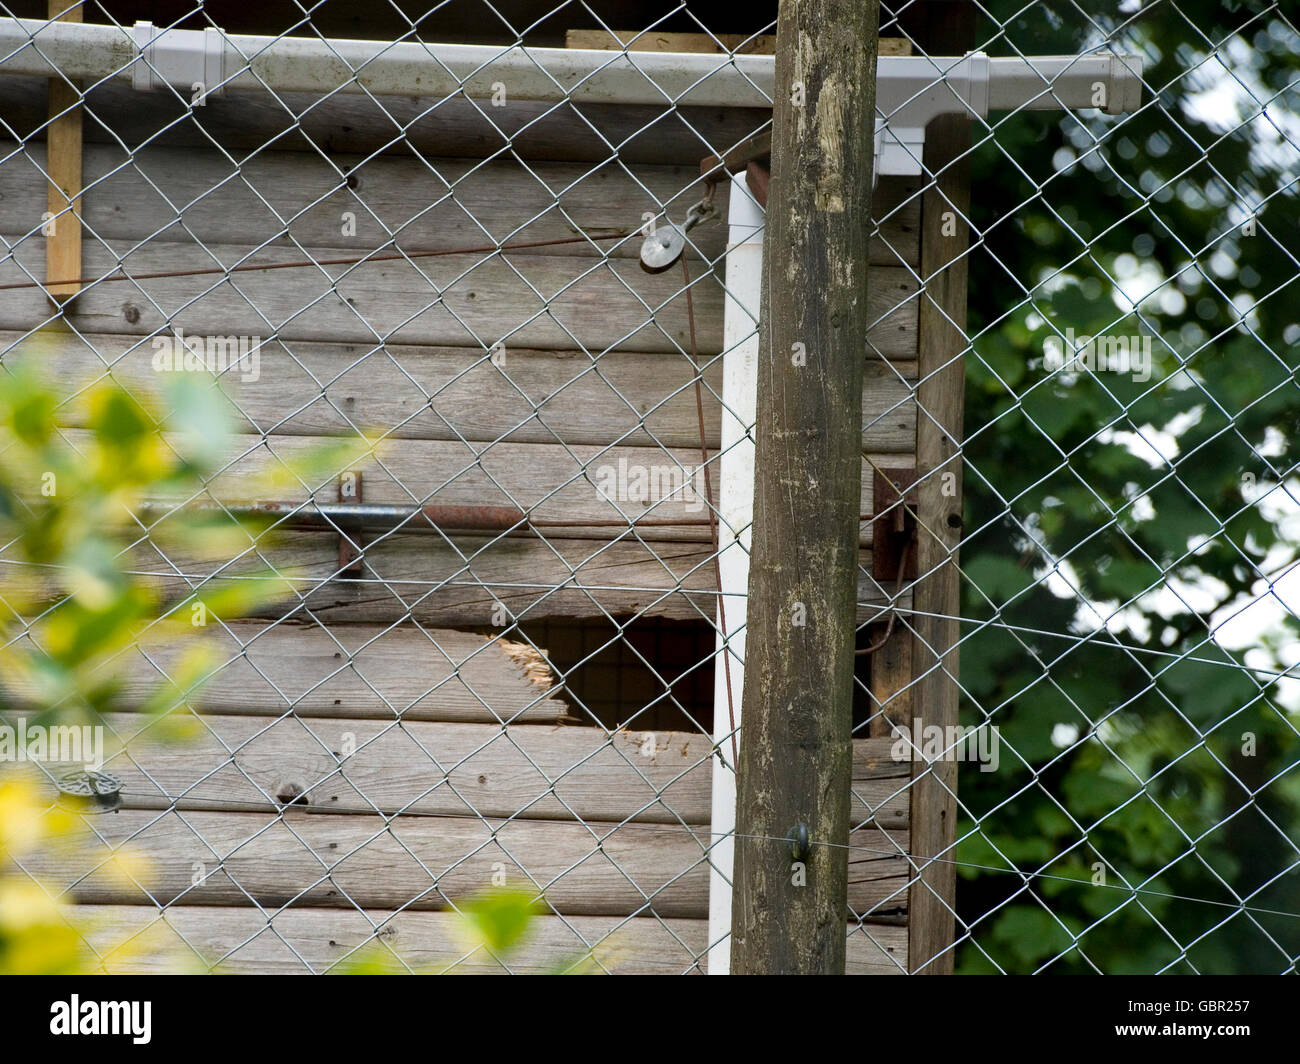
(355, 260)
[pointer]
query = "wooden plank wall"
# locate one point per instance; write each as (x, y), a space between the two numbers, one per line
(370, 752)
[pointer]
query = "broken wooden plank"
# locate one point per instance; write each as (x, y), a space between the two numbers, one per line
(299, 941)
(357, 671)
(415, 862)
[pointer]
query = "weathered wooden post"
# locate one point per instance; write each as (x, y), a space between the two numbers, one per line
(790, 897)
(946, 28)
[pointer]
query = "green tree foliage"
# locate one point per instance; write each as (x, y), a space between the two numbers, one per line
(1148, 785)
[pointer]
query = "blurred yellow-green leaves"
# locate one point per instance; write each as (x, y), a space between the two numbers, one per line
(84, 564)
(111, 539)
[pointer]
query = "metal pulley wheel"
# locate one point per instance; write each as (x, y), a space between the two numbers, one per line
(662, 248)
(664, 245)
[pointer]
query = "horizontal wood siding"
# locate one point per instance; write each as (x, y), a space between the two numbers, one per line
(462, 582)
(360, 768)
(419, 768)
(403, 392)
(551, 482)
(557, 302)
(133, 939)
(372, 862)
(418, 204)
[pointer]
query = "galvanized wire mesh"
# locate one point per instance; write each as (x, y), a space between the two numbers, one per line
(1116, 608)
(1127, 797)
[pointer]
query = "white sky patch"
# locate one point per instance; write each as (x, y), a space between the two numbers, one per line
(1154, 446)
(1062, 581)
(1142, 508)
(1254, 626)
(1251, 625)
(1274, 443)
(1138, 288)
(1229, 95)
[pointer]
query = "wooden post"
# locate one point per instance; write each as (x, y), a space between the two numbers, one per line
(63, 165)
(790, 907)
(941, 341)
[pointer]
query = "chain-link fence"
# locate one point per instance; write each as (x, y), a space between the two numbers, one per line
(509, 255)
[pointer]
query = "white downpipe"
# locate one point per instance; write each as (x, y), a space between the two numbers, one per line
(910, 90)
(735, 516)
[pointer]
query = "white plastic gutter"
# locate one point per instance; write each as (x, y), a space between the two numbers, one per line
(180, 58)
(735, 516)
(910, 90)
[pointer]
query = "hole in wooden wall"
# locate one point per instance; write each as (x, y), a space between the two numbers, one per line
(651, 675)
(863, 706)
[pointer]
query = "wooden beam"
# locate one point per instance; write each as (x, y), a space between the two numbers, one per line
(462, 582)
(244, 123)
(941, 395)
(658, 41)
(348, 766)
(337, 766)
(63, 167)
(795, 756)
(604, 486)
(420, 204)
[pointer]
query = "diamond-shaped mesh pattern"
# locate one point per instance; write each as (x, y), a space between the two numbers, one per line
(453, 275)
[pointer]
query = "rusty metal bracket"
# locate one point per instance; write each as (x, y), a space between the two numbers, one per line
(893, 524)
(753, 155)
(351, 556)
